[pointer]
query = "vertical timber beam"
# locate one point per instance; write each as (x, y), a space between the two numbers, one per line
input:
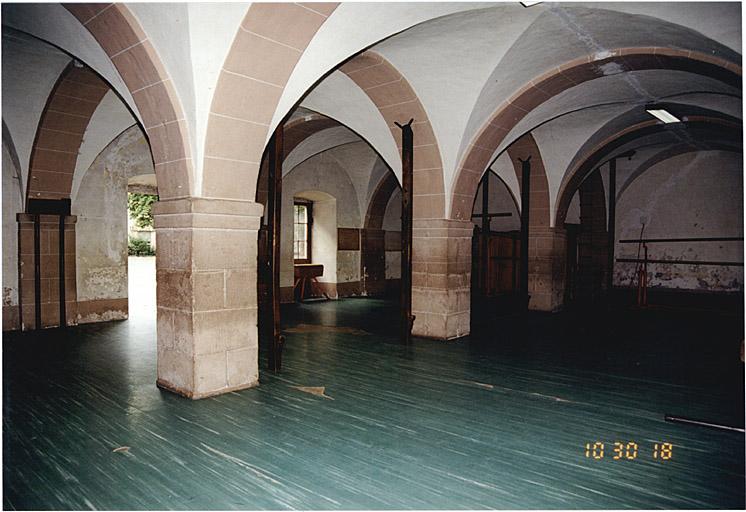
(63, 308)
(407, 153)
(611, 226)
(525, 208)
(485, 262)
(37, 270)
(274, 202)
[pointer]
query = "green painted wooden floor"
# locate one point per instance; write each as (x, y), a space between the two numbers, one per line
(499, 421)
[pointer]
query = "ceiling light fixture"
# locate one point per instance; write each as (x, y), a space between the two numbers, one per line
(663, 115)
(530, 3)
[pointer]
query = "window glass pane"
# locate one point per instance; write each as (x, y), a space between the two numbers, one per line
(301, 234)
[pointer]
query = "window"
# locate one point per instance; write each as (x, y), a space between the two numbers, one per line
(302, 212)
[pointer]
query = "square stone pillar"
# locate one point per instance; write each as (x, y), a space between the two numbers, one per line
(206, 267)
(547, 268)
(441, 278)
(49, 270)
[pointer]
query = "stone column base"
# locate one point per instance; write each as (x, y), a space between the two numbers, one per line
(206, 295)
(441, 278)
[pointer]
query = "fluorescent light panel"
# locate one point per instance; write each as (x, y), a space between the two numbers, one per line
(663, 115)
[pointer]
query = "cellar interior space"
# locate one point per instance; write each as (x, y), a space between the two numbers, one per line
(384, 256)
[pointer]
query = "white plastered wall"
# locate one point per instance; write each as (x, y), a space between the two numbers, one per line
(321, 174)
(12, 204)
(690, 195)
(101, 230)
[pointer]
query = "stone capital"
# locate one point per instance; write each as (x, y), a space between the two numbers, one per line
(197, 212)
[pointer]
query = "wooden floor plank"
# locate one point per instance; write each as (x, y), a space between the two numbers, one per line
(497, 421)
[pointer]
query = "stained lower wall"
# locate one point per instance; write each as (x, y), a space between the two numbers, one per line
(690, 195)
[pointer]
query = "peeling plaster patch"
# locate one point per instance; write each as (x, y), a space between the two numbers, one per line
(603, 55)
(9, 296)
(348, 266)
(107, 316)
(595, 48)
(611, 68)
(105, 282)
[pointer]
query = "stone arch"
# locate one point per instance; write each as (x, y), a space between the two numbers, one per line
(298, 130)
(539, 185)
(54, 154)
(123, 39)
(375, 241)
(479, 153)
(397, 101)
(379, 200)
(294, 132)
(9, 145)
(593, 157)
(267, 46)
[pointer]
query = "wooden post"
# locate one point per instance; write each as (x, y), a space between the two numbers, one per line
(63, 306)
(611, 227)
(407, 166)
(525, 202)
(37, 270)
(485, 261)
(274, 209)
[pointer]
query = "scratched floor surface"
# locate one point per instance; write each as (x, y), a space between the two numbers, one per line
(496, 421)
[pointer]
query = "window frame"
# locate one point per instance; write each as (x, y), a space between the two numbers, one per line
(309, 230)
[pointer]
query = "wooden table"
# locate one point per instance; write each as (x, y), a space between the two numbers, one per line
(306, 273)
